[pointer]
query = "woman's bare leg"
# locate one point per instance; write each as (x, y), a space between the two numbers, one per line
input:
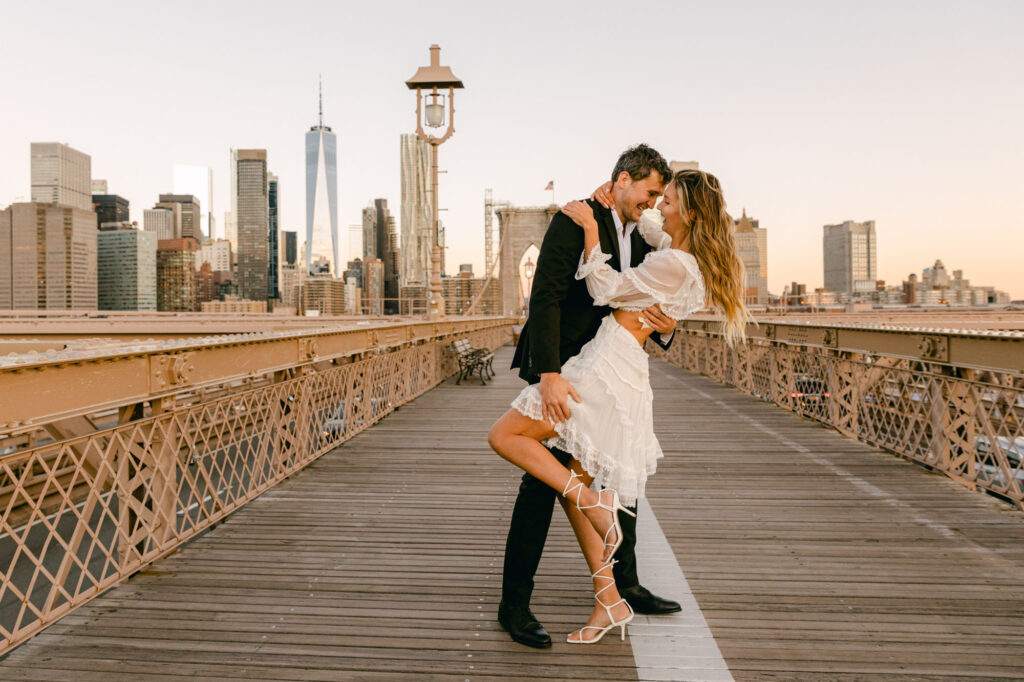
(517, 438)
(593, 551)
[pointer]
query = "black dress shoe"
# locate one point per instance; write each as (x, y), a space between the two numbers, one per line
(642, 601)
(522, 626)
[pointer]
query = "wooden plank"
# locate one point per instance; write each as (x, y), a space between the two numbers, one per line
(816, 557)
(812, 557)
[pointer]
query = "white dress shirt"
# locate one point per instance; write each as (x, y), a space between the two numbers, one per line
(625, 233)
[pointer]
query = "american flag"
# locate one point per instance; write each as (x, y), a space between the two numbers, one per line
(551, 185)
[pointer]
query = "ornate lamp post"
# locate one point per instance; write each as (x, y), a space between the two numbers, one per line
(431, 79)
(528, 269)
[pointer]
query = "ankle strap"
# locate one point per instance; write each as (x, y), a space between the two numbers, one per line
(574, 478)
(607, 564)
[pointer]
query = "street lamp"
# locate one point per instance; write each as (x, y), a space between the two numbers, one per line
(428, 80)
(528, 270)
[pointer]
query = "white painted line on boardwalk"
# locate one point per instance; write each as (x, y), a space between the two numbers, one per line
(677, 646)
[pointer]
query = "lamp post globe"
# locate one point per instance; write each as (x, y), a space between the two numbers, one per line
(432, 80)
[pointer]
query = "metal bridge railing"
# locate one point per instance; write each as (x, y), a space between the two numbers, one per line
(950, 399)
(109, 459)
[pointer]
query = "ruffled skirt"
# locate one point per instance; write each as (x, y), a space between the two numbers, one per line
(611, 433)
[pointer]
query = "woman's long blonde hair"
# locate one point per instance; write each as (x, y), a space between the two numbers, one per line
(713, 245)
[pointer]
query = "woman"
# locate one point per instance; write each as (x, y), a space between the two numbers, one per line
(611, 432)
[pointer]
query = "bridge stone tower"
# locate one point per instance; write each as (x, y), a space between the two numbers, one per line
(525, 226)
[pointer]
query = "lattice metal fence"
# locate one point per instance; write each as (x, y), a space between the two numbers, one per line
(81, 514)
(966, 422)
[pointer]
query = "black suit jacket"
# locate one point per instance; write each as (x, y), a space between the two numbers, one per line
(563, 317)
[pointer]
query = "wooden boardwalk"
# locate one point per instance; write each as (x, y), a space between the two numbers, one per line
(810, 555)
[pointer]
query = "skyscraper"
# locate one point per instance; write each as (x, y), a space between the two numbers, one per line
(273, 249)
(197, 181)
(752, 248)
(416, 212)
(61, 175)
(373, 287)
(190, 210)
(176, 285)
(162, 221)
(253, 224)
(380, 242)
(126, 259)
(216, 252)
(850, 256)
(231, 217)
(290, 250)
(321, 180)
(47, 257)
(369, 233)
(110, 208)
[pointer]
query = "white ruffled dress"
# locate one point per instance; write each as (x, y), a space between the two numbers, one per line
(611, 433)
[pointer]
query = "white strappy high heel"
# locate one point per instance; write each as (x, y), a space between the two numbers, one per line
(615, 507)
(608, 608)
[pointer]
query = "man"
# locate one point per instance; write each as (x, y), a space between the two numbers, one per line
(562, 319)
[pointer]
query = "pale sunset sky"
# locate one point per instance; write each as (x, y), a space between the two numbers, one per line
(907, 113)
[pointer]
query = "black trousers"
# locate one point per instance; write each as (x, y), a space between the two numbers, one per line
(528, 532)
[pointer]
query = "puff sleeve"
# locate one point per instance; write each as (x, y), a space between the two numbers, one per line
(660, 276)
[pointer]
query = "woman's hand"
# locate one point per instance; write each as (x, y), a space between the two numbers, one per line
(603, 195)
(581, 214)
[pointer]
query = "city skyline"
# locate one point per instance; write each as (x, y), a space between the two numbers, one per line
(804, 120)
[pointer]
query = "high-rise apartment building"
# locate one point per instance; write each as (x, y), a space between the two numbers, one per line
(61, 175)
(460, 291)
(110, 208)
(417, 211)
(197, 181)
(189, 211)
(273, 232)
(412, 299)
(253, 224)
(126, 259)
(323, 293)
(216, 252)
(231, 216)
(322, 186)
(176, 285)
(206, 283)
(369, 233)
(354, 270)
(290, 250)
(752, 248)
(850, 257)
(47, 257)
(380, 241)
(291, 279)
(373, 287)
(163, 222)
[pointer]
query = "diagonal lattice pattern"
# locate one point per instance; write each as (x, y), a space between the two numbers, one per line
(964, 422)
(81, 514)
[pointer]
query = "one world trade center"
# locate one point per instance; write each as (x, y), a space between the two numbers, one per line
(321, 183)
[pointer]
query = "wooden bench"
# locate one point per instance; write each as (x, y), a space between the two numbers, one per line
(471, 360)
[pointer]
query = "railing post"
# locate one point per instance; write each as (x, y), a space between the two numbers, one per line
(962, 430)
(163, 475)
